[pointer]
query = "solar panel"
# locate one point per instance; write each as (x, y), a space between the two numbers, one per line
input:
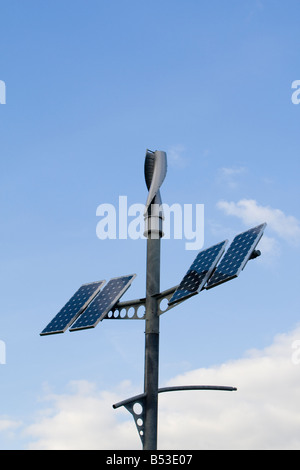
(199, 272)
(236, 256)
(73, 308)
(103, 303)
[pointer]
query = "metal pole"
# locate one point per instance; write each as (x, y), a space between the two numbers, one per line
(152, 344)
(155, 172)
(154, 234)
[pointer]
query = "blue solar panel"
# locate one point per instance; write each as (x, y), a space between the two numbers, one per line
(199, 272)
(236, 256)
(103, 303)
(76, 305)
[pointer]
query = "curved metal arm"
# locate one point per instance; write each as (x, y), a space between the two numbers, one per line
(139, 417)
(142, 396)
(197, 387)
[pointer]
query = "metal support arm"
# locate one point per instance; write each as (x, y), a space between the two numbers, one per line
(135, 309)
(136, 405)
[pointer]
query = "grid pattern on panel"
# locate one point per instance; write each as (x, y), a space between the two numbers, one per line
(199, 272)
(69, 313)
(237, 256)
(103, 303)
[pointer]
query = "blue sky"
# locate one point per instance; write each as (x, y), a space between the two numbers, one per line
(89, 86)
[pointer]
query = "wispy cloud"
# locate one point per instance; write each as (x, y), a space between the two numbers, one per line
(255, 8)
(177, 156)
(9, 426)
(250, 212)
(231, 176)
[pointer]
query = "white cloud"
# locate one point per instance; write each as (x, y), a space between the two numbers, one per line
(8, 426)
(250, 212)
(82, 419)
(263, 414)
(176, 156)
(270, 248)
(230, 176)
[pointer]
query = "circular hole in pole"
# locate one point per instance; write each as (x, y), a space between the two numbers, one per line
(163, 305)
(130, 312)
(141, 311)
(137, 408)
(139, 422)
(123, 313)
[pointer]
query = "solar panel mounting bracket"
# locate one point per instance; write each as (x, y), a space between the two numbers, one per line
(121, 310)
(167, 295)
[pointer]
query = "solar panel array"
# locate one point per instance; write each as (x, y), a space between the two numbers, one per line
(103, 303)
(199, 272)
(236, 256)
(76, 305)
(90, 305)
(205, 272)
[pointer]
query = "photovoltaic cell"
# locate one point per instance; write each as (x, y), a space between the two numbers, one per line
(199, 272)
(236, 256)
(103, 303)
(73, 308)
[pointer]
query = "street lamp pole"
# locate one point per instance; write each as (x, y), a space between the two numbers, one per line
(152, 344)
(93, 303)
(153, 232)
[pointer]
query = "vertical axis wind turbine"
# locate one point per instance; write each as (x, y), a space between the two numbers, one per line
(97, 301)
